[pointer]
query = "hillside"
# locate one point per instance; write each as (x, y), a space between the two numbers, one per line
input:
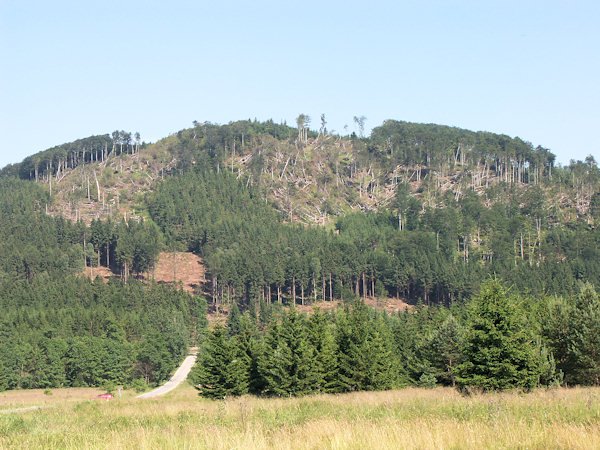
(310, 177)
(494, 202)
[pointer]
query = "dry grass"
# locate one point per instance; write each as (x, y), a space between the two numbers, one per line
(41, 397)
(411, 418)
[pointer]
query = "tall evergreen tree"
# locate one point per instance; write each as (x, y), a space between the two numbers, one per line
(584, 339)
(221, 369)
(444, 350)
(499, 349)
(366, 361)
(322, 338)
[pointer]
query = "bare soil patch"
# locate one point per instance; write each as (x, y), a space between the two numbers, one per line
(103, 272)
(184, 267)
(390, 305)
(171, 268)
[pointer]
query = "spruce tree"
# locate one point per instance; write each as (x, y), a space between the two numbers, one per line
(499, 348)
(366, 360)
(273, 361)
(233, 320)
(302, 374)
(584, 339)
(220, 370)
(443, 350)
(322, 338)
(383, 369)
(287, 364)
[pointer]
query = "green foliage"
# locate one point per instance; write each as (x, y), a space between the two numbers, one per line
(221, 369)
(499, 347)
(427, 380)
(139, 385)
(443, 350)
(433, 247)
(287, 364)
(584, 337)
(366, 361)
(74, 332)
(322, 338)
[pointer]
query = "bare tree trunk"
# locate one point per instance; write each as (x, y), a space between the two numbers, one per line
(364, 285)
(97, 185)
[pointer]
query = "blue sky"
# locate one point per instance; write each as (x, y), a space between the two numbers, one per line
(75, 68)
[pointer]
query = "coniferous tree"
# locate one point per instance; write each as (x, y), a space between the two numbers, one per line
(301, 370)
(444, 350)
(234, 325)
(221, 369)
(273, 362)
(322, 338)
(584, 337)
(366, 361)
(287, 364)
(499, 348)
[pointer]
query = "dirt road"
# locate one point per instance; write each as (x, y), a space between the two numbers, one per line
(179, 376)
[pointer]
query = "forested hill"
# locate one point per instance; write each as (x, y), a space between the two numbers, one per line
(421, 211)
(286, 216)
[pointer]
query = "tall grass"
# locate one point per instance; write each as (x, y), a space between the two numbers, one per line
(411, 418)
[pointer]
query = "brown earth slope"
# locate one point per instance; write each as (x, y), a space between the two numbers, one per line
(171, 267)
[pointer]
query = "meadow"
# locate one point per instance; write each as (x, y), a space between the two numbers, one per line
(409, 418)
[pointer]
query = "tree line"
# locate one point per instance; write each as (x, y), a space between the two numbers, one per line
(54, 161)
(496, 340)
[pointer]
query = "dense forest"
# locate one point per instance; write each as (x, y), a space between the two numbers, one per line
(495, 341)
(59, 329)
(449, 220)
(438, 255)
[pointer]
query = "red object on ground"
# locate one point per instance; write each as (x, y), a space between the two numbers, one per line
(106, 396)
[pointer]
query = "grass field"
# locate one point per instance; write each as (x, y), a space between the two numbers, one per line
(410, 418)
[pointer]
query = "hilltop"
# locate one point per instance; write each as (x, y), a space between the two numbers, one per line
(310, 177)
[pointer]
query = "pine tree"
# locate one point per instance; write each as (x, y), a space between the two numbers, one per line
(302, 374)
(287, 364)
(250, 348)
(233, 320)
(499, 349)
(383, 371)
(274, 362)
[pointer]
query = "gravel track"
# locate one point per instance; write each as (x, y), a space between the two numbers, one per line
(180, 375)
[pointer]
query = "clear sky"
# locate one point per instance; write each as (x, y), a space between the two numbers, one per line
(70, 69)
